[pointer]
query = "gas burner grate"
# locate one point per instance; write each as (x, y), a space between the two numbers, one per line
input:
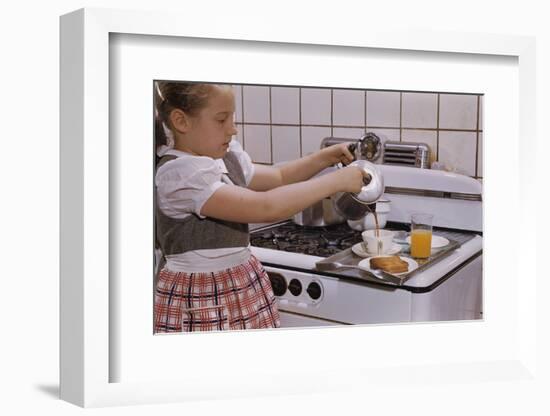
(316, 241)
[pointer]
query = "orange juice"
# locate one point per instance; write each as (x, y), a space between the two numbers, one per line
(421, 243)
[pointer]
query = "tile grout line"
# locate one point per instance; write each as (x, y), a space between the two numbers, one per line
(270, 125)
(477, 136)
(300, 121)
(242, 114)
(437, 131)
(401, 116)
(360, 127)
(365, 114)
(331, 112)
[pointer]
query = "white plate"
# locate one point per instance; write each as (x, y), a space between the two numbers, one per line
(365, 265)
(437, 241)
(360, 251)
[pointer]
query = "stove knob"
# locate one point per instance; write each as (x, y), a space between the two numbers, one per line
(314, 290)
(278, 283)
(295, 287)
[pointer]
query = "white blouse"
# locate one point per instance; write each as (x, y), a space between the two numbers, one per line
(183, 187)
(185, 184)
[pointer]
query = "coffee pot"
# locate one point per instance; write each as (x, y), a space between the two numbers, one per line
(354, 206)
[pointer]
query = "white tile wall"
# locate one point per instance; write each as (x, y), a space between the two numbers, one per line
(457, 111)
(285, 105)
(256, 104)
(316, 106)
(348, 108)
(284, 123)
(480, 155)
(457, 151)
(347, 132)
(312, 137)
(419, 110)
(257, 143)
(383, 109)
(286, 143)
(237, 92)
(480, 124)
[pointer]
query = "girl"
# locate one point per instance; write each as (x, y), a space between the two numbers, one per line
(207, 191)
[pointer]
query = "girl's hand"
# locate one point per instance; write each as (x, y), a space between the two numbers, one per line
(337, 153)
(351, 179)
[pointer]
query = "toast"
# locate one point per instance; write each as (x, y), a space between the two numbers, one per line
(390, 264)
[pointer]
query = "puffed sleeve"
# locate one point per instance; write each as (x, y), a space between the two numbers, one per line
(186, 183)
(244, 160)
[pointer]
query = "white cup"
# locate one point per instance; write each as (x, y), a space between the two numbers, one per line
(377, 245)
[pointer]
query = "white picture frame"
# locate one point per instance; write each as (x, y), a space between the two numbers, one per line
(86, 356)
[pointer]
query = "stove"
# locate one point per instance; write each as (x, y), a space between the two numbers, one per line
(449, 289)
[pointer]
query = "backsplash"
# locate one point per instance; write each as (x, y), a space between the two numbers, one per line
(278, 124)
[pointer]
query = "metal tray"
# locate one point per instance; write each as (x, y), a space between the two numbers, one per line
(349, 258)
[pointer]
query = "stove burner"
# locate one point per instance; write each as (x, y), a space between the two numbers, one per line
(331, 241)
(316, 241)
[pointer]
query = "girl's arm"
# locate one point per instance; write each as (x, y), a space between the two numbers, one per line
(234, 203)
(269, 177)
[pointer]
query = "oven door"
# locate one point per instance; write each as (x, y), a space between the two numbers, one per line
(293, 320)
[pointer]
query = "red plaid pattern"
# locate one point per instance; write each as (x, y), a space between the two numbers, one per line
(237, 298)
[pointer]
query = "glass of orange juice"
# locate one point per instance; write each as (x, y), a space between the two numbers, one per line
(421, 235)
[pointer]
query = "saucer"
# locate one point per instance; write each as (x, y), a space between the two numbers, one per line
(365, 265)
(360, 251)
(400, 237)
(437, 241)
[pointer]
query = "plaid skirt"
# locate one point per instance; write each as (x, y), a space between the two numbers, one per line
(237, 298)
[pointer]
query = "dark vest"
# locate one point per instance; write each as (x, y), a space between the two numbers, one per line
(175, 236)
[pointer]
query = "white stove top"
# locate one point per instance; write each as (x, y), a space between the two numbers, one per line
(424, 278)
